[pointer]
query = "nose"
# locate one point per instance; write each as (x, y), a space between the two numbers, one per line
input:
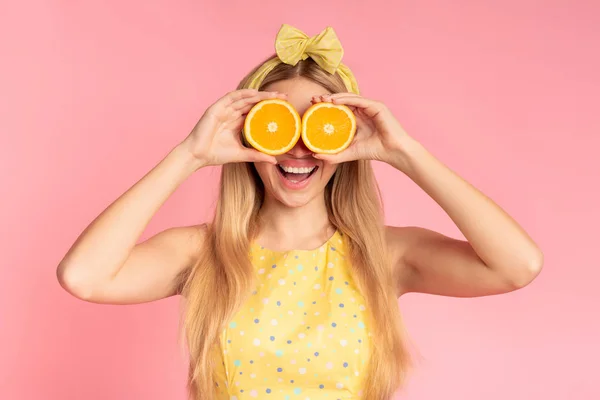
(300, 150)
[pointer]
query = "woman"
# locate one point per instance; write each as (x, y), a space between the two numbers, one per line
(294, 291)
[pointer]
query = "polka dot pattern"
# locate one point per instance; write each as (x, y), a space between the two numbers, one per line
(302, 334)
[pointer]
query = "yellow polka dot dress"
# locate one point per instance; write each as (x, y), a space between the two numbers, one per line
(303, 333)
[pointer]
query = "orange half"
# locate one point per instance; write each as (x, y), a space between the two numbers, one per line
(272, 126)
(328, 128)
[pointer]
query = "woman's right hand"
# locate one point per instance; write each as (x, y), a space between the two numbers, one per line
(216, 138)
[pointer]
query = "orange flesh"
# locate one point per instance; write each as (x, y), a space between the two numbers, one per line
(273, 126)
(321, 121)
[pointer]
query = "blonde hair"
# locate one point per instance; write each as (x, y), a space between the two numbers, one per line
(223, 276)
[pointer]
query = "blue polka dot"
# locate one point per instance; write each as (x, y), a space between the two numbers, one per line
(256, 321)
(333, 249)
(289, 342)
(345, 365)
(232, 324)
(316, 268)
(279, 369)
(251, 361)
(314, 302)
(321, 386)
(331, 278)
(338, 291)
(316, 354)
(274, 266)
(341, 305)
(333, 324)
(237, 363)
(268, 390)
(272, 338)
(278, 303)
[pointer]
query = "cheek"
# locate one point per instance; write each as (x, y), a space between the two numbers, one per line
(328, 171)
(263, 171)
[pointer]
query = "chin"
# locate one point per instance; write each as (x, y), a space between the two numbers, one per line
(293, 200)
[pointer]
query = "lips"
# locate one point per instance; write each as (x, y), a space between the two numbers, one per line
(296, 174)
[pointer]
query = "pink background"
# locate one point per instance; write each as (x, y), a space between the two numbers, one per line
(506, 93)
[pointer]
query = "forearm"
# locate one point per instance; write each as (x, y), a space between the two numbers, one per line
(105, 244)
(498, 239)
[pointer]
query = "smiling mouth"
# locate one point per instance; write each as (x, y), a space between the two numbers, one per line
(297, 175)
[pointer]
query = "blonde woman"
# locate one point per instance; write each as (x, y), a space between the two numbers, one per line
(291, 290)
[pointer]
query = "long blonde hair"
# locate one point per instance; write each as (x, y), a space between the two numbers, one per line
(223, 276)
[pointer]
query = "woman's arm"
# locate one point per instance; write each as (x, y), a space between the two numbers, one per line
(498, 255)
(107, 265)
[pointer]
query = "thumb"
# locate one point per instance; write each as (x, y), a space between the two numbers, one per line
(251, 155)
(333, 158)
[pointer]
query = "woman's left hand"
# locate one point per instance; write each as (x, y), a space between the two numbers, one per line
(379, 135)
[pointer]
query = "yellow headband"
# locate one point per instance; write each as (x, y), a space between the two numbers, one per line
(292, 45)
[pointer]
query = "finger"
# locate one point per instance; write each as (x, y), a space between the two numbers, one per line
(370, 108)
(252, 155)
(360, 121)
(246, 93)
(323, 98)
(342, 94)
(332, 158)
(258, 96)
(241, 110)
(268, 95)
(343, 156)
(244, 109)
(241, 94)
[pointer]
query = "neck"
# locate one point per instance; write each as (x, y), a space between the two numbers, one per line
(283, 227)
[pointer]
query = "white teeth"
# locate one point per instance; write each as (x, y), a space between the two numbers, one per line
(294, 170)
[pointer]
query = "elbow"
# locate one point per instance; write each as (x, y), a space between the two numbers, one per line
(74, 283)
(528, 271)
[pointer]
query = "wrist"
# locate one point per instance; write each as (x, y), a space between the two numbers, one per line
(182, 152)
(405, 154)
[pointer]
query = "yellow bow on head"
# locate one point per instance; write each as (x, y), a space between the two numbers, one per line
(293, 45)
